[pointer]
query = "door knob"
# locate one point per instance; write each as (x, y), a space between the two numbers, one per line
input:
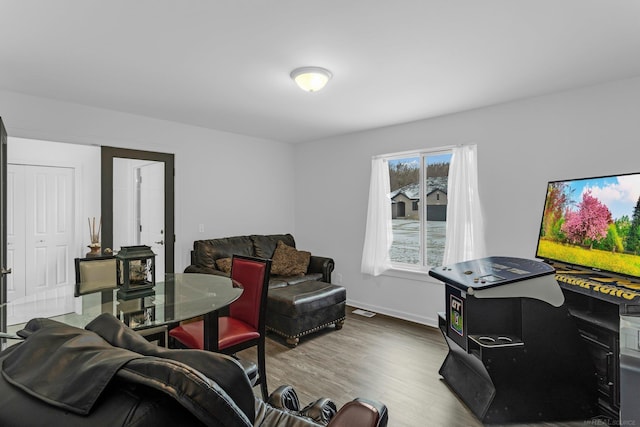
(161, 242)
(5, 271)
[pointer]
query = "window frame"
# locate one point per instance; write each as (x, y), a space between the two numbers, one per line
(422, 154)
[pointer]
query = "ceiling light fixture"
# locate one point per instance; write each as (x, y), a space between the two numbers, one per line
(311, 79)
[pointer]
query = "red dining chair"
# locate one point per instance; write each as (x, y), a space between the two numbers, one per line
(244, 327)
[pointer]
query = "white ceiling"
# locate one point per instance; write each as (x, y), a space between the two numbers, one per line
(225, 64)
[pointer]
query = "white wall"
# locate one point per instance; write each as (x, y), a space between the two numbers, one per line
(231, 184)
(521, 146)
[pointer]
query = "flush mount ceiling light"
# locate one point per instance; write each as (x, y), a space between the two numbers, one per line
(311, 79)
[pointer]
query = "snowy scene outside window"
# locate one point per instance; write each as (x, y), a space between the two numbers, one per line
(419, 208)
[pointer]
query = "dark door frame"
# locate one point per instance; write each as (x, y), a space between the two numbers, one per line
(107, 156)
(3, 229)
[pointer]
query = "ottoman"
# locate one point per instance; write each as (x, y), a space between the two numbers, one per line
(303, 308)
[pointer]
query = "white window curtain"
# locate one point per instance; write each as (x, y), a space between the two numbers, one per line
(465, 226)
(379, 234)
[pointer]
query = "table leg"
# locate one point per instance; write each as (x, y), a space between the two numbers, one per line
(210, 331)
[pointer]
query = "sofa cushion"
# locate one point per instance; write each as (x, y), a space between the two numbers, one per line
(277, 281)
(224, 264)
(265, 245)
(288, 261)
(208, 251)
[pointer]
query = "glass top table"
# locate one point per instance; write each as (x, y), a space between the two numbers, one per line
(181, 296)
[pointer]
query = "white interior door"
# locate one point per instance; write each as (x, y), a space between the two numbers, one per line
(16, 238)
(151, 209)
(40, 217)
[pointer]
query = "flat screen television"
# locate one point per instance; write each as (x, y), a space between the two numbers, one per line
(593, 223)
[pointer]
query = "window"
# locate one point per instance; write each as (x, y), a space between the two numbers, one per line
(418, 180)
(444, 224)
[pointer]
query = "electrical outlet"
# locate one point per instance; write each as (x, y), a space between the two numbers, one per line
(201, 228)
(338, 278)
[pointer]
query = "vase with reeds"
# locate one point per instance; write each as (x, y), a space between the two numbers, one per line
(94, 235)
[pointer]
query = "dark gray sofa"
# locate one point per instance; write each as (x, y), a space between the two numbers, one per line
(296, 305)
(206, 252)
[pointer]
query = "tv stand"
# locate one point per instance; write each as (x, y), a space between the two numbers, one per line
(606, 309)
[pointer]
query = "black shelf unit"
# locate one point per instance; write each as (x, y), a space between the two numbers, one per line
(596, 302)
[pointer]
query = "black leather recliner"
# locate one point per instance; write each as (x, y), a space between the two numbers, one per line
(108, 375)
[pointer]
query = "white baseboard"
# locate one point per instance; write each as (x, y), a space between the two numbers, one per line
(428, 321)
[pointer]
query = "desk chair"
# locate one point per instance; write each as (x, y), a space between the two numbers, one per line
(244, 327)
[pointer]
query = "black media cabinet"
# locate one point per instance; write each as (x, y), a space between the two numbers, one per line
(599, 304)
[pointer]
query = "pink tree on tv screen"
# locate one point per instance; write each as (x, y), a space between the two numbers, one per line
(589, 222)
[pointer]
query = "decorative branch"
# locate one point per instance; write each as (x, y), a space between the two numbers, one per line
(93, 234)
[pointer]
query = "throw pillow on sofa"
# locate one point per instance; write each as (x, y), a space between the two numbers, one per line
(224, 264)
(288, 261)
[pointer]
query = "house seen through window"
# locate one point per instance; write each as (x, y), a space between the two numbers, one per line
(418, 184)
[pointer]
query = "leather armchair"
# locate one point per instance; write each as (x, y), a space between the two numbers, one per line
(108, 375)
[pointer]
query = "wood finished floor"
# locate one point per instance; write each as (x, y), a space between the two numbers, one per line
(382, 358)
